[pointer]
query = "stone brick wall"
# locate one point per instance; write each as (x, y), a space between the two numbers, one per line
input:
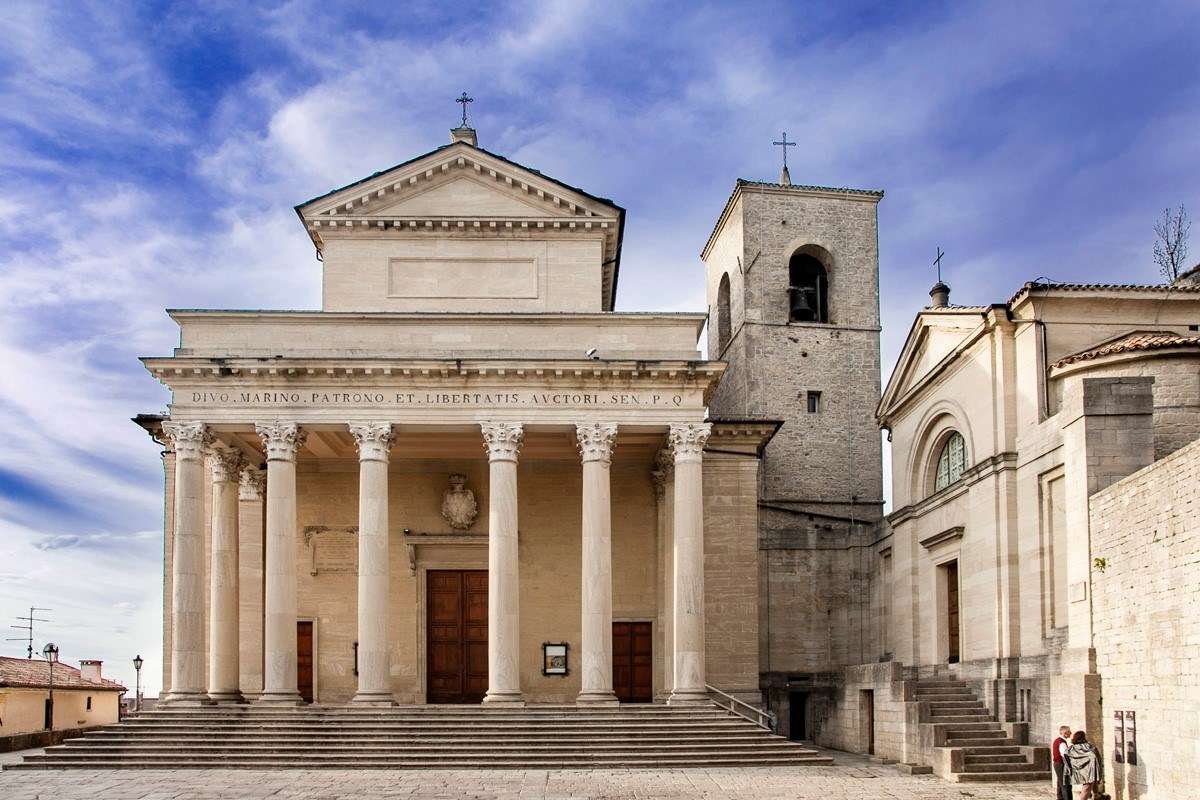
(1147, 631)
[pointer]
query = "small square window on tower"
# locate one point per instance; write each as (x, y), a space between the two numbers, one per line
(814, 402)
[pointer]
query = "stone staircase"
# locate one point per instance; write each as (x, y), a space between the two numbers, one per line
(966, 742)
(462, 737)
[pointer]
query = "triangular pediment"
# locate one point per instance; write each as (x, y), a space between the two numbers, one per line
(933, 339)
(463, 196)
(462, 181)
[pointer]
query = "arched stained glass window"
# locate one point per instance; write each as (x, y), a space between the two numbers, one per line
(952, 461)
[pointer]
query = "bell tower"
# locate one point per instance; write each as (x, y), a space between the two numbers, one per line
(793, 296)
(793, 288)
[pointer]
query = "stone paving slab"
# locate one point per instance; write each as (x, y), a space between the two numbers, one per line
(851, 778)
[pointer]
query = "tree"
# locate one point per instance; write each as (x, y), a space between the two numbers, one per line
(1171, 247)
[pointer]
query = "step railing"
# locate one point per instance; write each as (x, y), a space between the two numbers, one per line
(763, 719)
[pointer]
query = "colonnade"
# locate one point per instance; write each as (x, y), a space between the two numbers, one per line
(193, 442)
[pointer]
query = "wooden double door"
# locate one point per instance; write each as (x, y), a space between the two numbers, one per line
(633, 662)
(456, 635)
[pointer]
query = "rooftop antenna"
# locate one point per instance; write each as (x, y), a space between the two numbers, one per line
(28, 638)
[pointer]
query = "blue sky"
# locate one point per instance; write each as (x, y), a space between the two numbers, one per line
(150, 155)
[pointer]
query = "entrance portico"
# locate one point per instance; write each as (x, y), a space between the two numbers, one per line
(290, 451)
(465, 401)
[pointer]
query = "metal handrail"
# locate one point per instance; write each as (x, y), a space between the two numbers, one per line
(763, 719)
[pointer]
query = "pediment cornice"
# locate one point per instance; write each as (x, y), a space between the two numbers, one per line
(537, 205)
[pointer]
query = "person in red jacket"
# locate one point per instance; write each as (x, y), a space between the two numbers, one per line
(1058, 749)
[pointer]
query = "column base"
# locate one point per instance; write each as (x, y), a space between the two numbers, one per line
(689, 698)
(178, 699)
(597, 699)
(380, 699)
(279, 699)
(226, 698)
(504, 699)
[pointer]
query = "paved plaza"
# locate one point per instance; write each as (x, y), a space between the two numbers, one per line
(851, 778)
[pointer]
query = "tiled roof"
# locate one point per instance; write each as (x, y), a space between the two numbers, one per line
(810, 188)
(35, 674)
(1138, 340)
(1154, 288)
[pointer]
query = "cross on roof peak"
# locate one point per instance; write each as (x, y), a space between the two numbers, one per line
(462, 99)
(785, 177)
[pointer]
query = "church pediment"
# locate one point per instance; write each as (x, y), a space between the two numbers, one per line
(933, 339)
(463, 196)
(458, 180)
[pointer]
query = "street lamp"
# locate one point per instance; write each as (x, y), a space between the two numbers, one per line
(137, 692)
(50, 652)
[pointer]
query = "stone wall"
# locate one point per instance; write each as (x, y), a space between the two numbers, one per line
(1147, 529)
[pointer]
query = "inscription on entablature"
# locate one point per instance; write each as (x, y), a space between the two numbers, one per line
(371, 398)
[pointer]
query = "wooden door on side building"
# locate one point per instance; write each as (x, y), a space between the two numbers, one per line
(952, 613)
(304, 659)
(633, 662)
(456, 635)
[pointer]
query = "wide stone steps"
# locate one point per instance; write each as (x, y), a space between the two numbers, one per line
(312, 738)
(977, 747)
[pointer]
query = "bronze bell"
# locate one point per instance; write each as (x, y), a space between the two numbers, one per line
(801, 311)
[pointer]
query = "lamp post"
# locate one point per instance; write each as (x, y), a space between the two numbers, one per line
(137, 692)
(50, 652)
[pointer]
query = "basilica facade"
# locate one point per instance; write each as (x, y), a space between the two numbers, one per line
(468, 478)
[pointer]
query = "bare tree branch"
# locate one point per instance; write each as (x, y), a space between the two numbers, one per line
(1171, 245)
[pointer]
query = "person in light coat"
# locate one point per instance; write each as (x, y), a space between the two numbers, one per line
(1084, 766)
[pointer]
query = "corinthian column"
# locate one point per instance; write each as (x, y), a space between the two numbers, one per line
(373, 440)
(663, 476)
(503, 441)
(595, 446)
(223, 683)
(189, 440)
(282, 440)
(250, 580)
(687, 442)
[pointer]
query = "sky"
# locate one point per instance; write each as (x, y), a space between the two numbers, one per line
(150, 156)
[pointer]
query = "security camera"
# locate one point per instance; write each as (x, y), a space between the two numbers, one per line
(592, 354)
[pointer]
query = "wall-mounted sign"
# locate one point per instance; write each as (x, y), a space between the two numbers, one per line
(554, 658)
(1131, 738)
(1119, 737)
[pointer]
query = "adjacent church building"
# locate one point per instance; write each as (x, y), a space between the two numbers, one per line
(469, 478)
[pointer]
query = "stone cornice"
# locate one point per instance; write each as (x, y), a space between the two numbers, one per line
(948, 535)
(170, 369)
(992, 465)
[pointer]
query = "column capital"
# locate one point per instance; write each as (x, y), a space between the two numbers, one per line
(372, 439)
(663, 471)
(253, 483)
(503, 439)
(226, 464)
(595, 440)
(188, 439)
(281, 439)
(687, 440)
